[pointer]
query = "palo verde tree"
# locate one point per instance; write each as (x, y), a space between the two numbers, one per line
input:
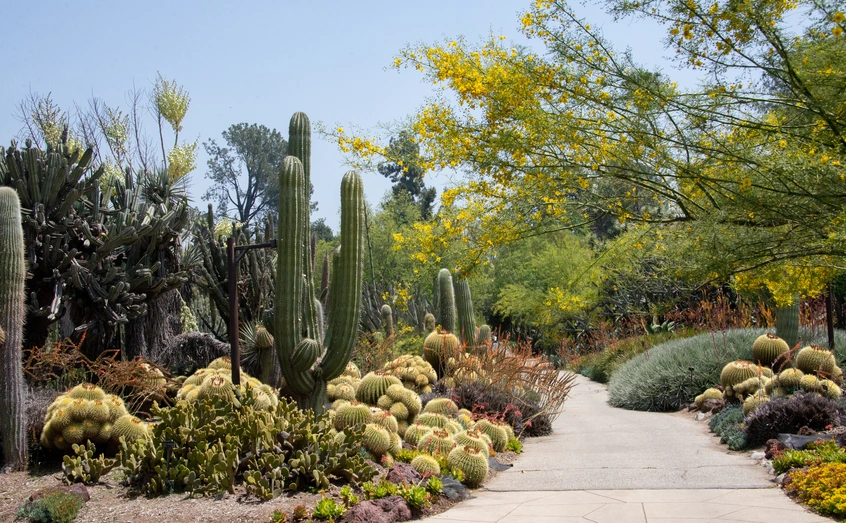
(749, 163)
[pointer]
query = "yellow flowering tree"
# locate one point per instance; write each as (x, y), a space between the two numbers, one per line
(749, 160)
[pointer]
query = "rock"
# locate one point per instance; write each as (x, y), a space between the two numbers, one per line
(758, 455)
(805, 431)
(454, 489)
(780, 479)
(700, 416)
(385, 510)
(403, 473)
(799, 442)
(773, 448)
(76, 489)
(713, 406)
(497, 466)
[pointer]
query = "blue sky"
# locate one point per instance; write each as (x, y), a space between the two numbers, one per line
(258, 62)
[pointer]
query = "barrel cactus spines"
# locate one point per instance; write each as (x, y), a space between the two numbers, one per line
(497, 434)
(830, 389)
(810, 383)
(416, 431)
(437, 441)
(294, 307)
(470, 461)
(387, 320)
(789, 379)
(767, 348)
(709, 394)
(474, 438)
(305, 354)
(351, 415)
(446, 301)
(815, 359)
(438, 347)
(787, 323)
(426, 465)
(444, 406)
(12, 317)
(87, 391)
(429, 322)
(737, 372)
(466, 318)
(754, 401)
(376, 439)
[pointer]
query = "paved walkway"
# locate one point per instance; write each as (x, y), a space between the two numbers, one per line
(607, 465)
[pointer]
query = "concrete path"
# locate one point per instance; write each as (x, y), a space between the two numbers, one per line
(607, 465)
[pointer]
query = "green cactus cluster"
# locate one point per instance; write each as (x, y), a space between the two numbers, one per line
(351, 415)
(817, 360)
(342, 388)
(216, 381)
(444, 406)
(295, 311)
(374, 385)
(402, 403)
(709, 394)
(416, 373)
(416, 431)
(215, 444)
(87, 465)
(474, 438)
(87, 414)
(438, 348)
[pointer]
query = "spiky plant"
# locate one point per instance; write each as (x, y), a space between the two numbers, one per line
(295, 310)
(466, 318)
(446, 300)
(472, 462)
(387, 320)
(12, 317)
(787, 323)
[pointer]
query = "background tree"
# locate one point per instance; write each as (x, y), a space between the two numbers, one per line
(404, 171)
(244, 172)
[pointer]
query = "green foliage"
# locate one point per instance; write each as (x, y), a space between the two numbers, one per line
(278, 517)
(514, 445)
(350, 499)
(815, 454)
(673, 373)
(728, 425)
(260, 152)
(545, 281)
(84, 467)
(434, 485)
(600, 366)
(327, 509)
(53, 507)
(415, 495)
(216, 443)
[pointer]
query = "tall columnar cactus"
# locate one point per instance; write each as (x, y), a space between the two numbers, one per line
(466, 319)
(787, 323)
(12, 316)
(387, 320)
(446, 301)
(295, 311)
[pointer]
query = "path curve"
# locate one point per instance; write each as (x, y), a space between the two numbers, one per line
(604, 464)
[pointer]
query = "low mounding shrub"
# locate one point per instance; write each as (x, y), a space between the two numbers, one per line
(728, 425)
(788, 415)
(672, 374)
(600, 366)
(822, 487)
(521, 411)
(53, 507)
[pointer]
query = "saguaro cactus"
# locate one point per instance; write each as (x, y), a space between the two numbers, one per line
(296, 329)
(466, 318)
(12, 316)
(446, 300)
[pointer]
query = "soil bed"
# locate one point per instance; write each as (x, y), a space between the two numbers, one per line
(110, 502)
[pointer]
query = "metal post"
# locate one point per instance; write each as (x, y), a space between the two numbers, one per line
(232, 270)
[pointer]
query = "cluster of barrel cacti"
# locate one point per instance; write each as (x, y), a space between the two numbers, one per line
(86, 413)
(416, 373)
(215, 381)
(814, 370)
